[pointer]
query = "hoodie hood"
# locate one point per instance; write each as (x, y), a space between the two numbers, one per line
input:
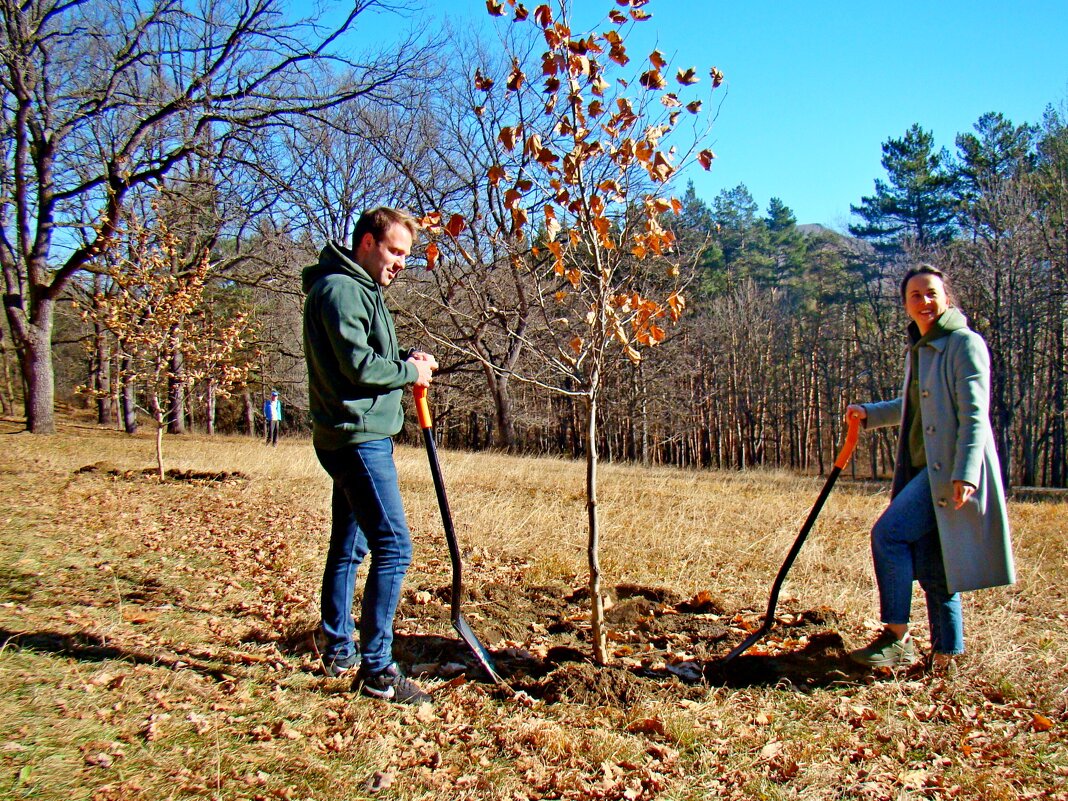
(334, 258)
(952, 319)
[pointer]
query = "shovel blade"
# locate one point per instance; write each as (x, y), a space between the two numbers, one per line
(477, 648)
(745, 644)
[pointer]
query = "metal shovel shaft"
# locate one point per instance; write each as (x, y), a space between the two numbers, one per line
(769, 616)
(458, 622)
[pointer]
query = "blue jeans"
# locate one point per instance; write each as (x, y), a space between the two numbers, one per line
(904, 547)
(367, 516)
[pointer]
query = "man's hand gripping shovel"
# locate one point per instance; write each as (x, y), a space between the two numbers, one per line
(458, 622)
(769, 617)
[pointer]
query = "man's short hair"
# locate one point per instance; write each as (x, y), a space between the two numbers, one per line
(377, 221)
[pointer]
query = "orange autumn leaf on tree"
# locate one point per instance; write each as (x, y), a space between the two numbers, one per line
(656, 58)
(482, 82)
(677, 304)
(516, 77)
(455, 225)
(705, 158)
(660, 170)
(495, 174)
(508, 137)
(558, 257)
(652, 80)
(552, 226)
(432, 255)
(495, 9)
(512, 198)
(687, 77)
(717, 77)
(521, 12)
(543, 15)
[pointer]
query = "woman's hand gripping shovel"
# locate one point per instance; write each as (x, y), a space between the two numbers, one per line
(458, 622)
(769, 617)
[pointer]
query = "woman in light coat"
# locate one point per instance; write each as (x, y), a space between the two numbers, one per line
(946, 524)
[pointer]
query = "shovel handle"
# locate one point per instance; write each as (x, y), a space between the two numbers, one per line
(850, 442)
(422, 408)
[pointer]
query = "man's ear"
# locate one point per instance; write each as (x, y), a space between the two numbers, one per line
(364, 243)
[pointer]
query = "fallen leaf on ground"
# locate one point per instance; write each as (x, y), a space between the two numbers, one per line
(379, 782)
(1041, 722)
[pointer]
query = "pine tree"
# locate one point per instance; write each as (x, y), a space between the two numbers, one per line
(917, 200)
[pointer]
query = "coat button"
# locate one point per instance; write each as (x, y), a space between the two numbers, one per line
(929, 430)
(937, 466)
(942, 502)
(925, 394)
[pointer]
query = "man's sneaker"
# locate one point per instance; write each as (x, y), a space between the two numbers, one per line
(390, 685)
(886, 651)
(340, 666)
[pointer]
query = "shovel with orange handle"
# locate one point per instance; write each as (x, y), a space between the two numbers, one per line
(462, 627)
(844, 455)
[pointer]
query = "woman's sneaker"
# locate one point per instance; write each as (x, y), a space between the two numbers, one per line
(886, 650)
(390, 685)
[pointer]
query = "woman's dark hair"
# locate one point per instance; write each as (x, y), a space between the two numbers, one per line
(923, 269)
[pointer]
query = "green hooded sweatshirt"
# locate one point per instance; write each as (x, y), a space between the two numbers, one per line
(951, 320)
(356, 372)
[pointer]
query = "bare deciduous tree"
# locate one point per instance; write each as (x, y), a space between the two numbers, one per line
(100, 98)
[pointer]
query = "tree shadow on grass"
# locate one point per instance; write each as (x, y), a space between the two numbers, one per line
(87, 647)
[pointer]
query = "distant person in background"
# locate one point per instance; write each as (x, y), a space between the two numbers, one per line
(946, 524)
(272, 415)
(356, 377)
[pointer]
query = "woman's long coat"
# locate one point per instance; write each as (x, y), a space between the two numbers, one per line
(954, 384)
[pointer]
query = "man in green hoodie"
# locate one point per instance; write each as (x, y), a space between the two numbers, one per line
(356, 377)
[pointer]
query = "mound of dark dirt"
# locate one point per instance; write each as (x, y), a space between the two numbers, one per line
(593, 686)
(539, 639)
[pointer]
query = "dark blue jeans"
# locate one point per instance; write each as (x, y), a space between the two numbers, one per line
(367, 516)
(905, 547)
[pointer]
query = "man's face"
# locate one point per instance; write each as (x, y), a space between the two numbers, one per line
(385, 258)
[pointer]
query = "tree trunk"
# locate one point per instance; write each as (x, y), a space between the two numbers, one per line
(209, 411)
(502, 402)
(35, 361)
(176, 421)
(597, 632)
(161, 423)
(159, 449)
(128, 400)
(250, 414)
(643, 406)
(102, 378)
(7, 395)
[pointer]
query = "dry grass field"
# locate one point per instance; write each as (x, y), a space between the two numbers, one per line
(153, 639)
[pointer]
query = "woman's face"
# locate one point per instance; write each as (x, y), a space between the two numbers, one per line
(925, 300)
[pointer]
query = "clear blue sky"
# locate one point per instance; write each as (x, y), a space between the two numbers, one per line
(813, 89)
